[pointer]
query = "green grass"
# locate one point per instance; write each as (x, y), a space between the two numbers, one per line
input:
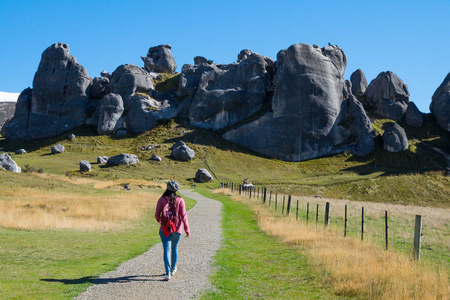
(252, 265)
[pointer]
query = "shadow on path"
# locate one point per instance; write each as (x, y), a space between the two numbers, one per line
(95, 280)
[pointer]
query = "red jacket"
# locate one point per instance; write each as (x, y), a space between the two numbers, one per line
(163, 206)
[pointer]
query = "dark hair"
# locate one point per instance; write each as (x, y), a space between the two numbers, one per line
(168, 193)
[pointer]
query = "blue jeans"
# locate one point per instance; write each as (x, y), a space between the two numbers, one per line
(170, 243)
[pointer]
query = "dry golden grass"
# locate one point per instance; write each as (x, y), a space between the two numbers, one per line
(352, 267)
(28, 208)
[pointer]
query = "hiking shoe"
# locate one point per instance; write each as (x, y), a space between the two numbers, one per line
(166, 277)
(173, 271)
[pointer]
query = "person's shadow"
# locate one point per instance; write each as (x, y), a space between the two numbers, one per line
(95, 280)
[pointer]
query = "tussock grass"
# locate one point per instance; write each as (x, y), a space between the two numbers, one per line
(354, 268)
(30, 208)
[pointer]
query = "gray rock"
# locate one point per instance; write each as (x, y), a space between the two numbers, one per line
(58, 148)
(105, 74)
(389, 95)
(7, 163)
(85, 166)
(183, 153)
(413, 116)
(395, 139)
(144, 112)
(178, 144)
(160, 59)
(99, 85)
(306, 107)
(101, 160)
(440, 104)
(198, 60)
(15, 129)
(129, 79)
(110, 114)
(21, 151)
(122, 159)
(71, 137)
(121, 132)
(347, 90)
(361, 127)
(359, 83)
(7, 110)
(202, 175)
(156, 158)
(227, 94)
(61, 89)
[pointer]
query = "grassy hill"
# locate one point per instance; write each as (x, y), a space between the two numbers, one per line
(414, 176)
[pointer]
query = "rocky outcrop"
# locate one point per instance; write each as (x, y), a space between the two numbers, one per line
(361, 127)
(122, 159)
(306, 107)
(413, 116)
(224, 95)
(15, 129)
(395, 139)
(129, 79)
(359, 83)
(440, 104)
(99, 85)
(202, 175)
(160, 59)
(7, 163)
(110, 114)
(7, 110)
(389, 95)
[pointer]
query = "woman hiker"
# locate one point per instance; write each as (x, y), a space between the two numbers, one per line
(171, 214)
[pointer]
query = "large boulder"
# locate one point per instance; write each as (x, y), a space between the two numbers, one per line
(99, 85)
(110, 114)
(359, 83)
(160, 59)
(183, 153)
(56, 149)
(85, 166)
(361, 127)
(226, 94)
(395, 139)
(202, 175)
(306, 107)
(144, 112)
(15, 129)
(389, 95)
(122, 159)
(7, 163)
(129, 79)
(413, 116)
(60, 94)
(440, 104)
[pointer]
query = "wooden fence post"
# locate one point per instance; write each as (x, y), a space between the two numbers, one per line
(265, 195)
(417, 237)
(296, 215)
(327, 214)
(386, 227)
(317, 214)
(307, 212)
(345, 221)
(276, 201)
(362, 224)
(282, 210)
(288, 208)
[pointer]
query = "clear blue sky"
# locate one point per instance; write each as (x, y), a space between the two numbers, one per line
(410, 38)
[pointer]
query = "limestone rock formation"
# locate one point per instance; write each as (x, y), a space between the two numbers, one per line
(129, 79)
(440, 104)
(160, 59)
(202, 175)
(110, 114)
(359, 83)
(122, 159)
(306, 107)
(224, 95)
(413, 116)
(389, 95)
(16, 128)
(99, 85)
(7, 110)
(58, 148)
(7, 163)
(395, 139)
(361, 127)
(85, 166)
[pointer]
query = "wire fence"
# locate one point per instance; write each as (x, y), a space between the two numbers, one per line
(391, 226)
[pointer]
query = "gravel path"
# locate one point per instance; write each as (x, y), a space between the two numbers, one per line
(141, 277)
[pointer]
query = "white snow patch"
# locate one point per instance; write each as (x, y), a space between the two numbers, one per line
(8, 97)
